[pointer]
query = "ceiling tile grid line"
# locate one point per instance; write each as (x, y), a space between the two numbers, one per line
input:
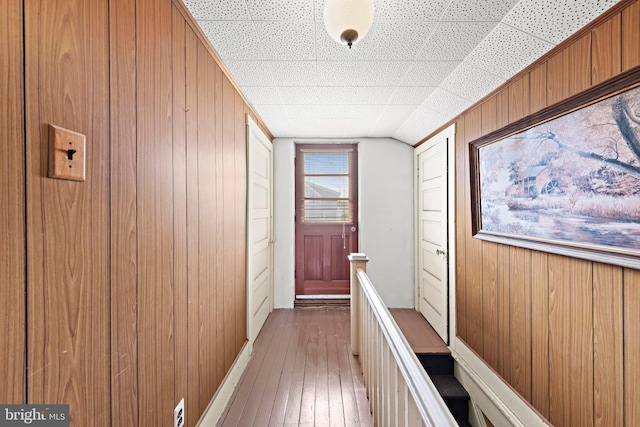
(421, 63)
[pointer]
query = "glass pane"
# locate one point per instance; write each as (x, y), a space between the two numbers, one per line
(326, 211)
(326, 163)
(326, 187)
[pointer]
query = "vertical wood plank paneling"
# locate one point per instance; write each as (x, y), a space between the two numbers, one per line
(192, 402)
(606, 50)
(124, 295)
(156, 370)
(489, 351)
(180, 289)
(540, 332)
(207, 227)
(579, 66)
(504, 320)
(473, 251)
(502, 105)
(570, 341)
(608, 381)
(489, 114)
(67, 225)
(558, 76)
(462, 207)
(490, 303)
(538, 88)
(520, 320)
(229, 218)
(631, 36)
(519, 104)
(12, 204)
(219, 283)
(240, 153)
(631, 303)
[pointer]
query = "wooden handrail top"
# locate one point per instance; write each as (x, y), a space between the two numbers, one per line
(430, 404)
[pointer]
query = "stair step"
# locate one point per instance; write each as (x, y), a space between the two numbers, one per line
(437, 364)
(454, 395)
(449, 387)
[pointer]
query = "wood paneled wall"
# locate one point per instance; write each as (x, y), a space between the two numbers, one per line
(12, 248)
(134, 279)
(563, 332)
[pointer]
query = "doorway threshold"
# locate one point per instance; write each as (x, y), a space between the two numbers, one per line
(322, 301)
(323, 296)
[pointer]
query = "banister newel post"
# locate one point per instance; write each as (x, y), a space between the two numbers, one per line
(358, 261)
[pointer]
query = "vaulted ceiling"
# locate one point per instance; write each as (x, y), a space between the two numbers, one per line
(422, 63)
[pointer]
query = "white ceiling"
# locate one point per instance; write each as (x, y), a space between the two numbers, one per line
(422, 63)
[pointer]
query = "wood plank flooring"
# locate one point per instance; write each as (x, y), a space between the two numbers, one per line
(301, 373)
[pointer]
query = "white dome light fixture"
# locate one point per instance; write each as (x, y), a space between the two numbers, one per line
(348, 21)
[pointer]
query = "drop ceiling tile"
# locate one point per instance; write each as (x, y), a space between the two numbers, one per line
(367, 112)
(262, 95)
(470, 82)
(391, 119)
(396, 41)
(382, 73)
(293, 73)
(348, 95)
(445, 103)
(508, 50)
(269, 112)
(281, 10)
(317, 111)
(224, 36)
(250, 73)
(322, 128)
(411, 95)
(300, 95)
(373, 95)
(287, 40)
(486, 10)
(420, 124)
(339, 73)
(452, 41)
(428, 73)
(556, 20)
(410, 10)
(218, 10)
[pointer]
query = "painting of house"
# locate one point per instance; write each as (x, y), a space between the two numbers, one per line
(535, 180)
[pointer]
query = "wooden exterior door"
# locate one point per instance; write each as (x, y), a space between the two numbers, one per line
(326, 217)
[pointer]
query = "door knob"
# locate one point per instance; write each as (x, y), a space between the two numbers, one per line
(441, 253)
(353, 229)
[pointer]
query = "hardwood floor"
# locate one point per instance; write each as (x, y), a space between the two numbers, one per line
(301, 373)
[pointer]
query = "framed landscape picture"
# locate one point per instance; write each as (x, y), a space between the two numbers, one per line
(566, 180)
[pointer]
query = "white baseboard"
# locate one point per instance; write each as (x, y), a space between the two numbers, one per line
(501, 404)
(220, 400)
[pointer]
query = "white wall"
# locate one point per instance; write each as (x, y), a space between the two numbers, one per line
(385, 182)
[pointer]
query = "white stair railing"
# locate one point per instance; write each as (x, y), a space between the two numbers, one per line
(400, 391)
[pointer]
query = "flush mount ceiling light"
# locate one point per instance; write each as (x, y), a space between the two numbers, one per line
(348, 21)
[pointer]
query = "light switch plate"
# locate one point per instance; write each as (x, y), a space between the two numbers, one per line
(67, 154)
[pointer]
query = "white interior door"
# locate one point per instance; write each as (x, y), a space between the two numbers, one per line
(259, 229)
(432, 246)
